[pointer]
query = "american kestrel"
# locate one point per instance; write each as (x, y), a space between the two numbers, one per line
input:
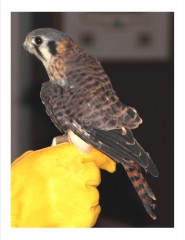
(81, 102)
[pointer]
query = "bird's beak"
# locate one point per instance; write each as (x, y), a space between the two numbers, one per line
(24, 46)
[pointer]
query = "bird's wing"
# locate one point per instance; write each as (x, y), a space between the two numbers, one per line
(70, 110)
(91, 82)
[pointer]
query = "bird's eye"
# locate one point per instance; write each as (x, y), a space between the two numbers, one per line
(38, 40)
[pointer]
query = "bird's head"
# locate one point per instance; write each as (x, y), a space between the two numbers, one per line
(45, 43)
(52, 48)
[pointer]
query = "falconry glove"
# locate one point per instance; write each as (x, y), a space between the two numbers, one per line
(56, 187)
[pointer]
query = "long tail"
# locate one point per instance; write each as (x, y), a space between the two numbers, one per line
(141, 186)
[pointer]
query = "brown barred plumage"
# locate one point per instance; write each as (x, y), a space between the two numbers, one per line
(141, 186)
(79, 99)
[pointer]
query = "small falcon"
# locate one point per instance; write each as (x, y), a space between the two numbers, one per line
(81, 102)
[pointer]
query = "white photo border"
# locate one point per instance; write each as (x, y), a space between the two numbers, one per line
(7, 7)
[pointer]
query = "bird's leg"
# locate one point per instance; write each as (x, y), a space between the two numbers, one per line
(60, 139)
(78, 142)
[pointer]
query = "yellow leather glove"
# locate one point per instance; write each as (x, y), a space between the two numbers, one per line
(56, 187)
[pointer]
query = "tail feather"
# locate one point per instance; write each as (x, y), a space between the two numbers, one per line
(141, 186)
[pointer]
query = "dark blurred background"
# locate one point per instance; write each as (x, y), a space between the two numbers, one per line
(136, 51)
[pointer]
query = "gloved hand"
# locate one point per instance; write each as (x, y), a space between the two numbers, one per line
(56, 187)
